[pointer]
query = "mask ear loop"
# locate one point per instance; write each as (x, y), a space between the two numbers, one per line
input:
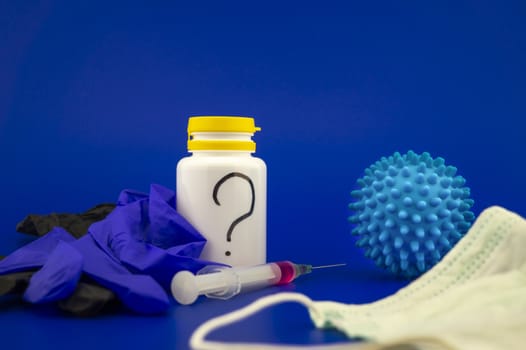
(198, 341)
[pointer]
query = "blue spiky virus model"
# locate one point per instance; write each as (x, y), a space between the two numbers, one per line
(409, 211)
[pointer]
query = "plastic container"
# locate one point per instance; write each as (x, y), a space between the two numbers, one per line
(221, 189)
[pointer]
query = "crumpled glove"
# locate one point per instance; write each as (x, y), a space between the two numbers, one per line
(76, 224)
(134, 252)
(89, 298)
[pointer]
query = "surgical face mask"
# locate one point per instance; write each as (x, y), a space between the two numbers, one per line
(475, 298)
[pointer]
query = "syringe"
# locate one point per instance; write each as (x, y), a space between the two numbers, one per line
(222, 282)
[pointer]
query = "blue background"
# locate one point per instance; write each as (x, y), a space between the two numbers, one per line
(95, 96)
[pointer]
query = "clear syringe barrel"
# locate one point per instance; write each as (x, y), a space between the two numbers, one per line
(232, 281)
(224, 282)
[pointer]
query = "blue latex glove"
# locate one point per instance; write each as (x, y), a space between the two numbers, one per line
(134, 252)
(34, 254)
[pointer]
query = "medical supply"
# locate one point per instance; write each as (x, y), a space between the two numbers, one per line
(410, 211)
(221, 189)
(222, 282)
(134, 253)
(474, 298)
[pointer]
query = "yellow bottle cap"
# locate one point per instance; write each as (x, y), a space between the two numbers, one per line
(217, 124)
(221, 124)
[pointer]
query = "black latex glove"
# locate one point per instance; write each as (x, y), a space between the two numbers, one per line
(76, 224)
(15, 283)
(89, 299)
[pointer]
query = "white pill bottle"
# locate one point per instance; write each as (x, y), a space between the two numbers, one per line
(222, 189)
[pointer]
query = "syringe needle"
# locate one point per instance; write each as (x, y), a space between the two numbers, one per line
(327, 266)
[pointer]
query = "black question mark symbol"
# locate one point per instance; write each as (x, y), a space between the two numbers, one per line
(242, 217)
